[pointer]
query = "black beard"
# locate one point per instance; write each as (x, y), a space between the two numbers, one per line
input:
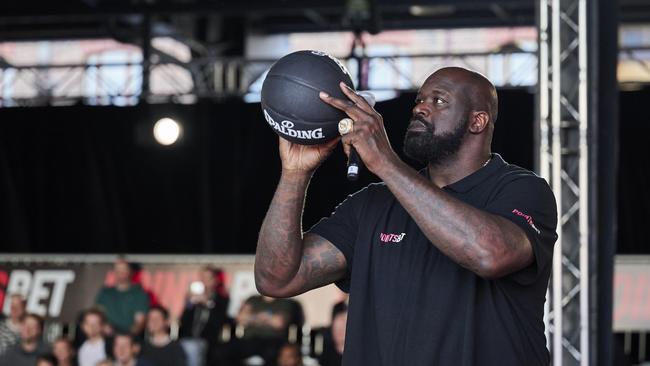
(428, 148)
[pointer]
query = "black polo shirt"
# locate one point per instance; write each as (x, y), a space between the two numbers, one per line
(411, 305)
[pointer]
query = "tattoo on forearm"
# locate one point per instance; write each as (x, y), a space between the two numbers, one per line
(322, 262)
(284, 258)
(278, 250)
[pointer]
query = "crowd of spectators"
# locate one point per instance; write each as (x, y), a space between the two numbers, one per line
(127, 326)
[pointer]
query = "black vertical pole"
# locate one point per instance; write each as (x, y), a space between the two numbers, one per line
(146, 56)
(603, 166)
(203, 127)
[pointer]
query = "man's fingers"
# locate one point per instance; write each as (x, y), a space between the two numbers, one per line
(357, 99)
(346, 148)
(330, 145)
(346, 106)
(325, 148)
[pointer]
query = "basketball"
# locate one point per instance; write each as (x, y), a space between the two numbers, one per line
(290, 100)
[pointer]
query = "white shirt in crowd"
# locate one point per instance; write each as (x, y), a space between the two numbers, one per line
(90, 353)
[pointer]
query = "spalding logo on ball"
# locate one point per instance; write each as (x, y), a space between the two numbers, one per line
(290, 99)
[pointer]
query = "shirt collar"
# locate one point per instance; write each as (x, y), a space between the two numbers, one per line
(466, 184)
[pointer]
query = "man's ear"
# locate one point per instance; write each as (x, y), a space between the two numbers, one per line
(479, 122)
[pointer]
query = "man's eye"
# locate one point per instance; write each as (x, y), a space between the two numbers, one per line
(437, 100)
(418, 101)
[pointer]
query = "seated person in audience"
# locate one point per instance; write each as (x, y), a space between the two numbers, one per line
(125, 304)
(10, 327)
(205, 313)
(269, 318)
(265, 322)
(30, 346)
(339, 322)
(96, 347)
(159, 348)
(289, 355)
(46, 360)
(63, 352)
(125, 351)
(335, 340)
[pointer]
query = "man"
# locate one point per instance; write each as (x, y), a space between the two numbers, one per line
(31, 345)
(267, 318)
(125, 351)
(159, 348)
(289, 355)
(46, 360)
(446, 266)
(95, 348)
(334, 338)
(63, 352)
(265, 322)
(339, 321)
(10, 327)
(125, 304)
(204, 316)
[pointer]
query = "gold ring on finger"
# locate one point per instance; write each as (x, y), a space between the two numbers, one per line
(346, 125)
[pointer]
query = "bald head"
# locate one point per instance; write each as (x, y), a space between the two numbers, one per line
(479, 91)
(454, 114)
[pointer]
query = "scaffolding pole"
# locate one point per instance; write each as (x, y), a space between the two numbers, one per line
(564, 162)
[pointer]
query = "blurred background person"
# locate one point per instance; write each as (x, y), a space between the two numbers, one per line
(339, 321)
(31, 345)
(125, 304)
(126, 349)
(46, 360)
(265, 317)
(63, 352)
(158, 347)
(334, 337)
(10, 326)
(96, 347)
(265, 322)
(204, 315)
(289, 355)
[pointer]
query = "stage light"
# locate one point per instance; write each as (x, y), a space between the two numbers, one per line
(166, 131)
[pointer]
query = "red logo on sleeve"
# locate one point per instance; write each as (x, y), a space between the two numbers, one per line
(529, 219)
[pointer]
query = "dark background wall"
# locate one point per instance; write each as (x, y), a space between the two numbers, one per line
(91, 180)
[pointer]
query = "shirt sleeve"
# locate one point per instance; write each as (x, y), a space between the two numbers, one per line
(341, 228)
(529, 203)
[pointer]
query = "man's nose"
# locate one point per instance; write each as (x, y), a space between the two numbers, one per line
(421, 109)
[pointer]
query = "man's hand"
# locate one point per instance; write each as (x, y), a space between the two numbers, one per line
(369, 135)
(108, 330)
(139, 320)
(304, 158)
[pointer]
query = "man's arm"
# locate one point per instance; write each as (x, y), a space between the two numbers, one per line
(486, 244)
(286, 262)
(139, 320)
(140, 313)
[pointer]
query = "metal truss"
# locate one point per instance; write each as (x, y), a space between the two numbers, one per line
(563, 157)
(218, 77)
